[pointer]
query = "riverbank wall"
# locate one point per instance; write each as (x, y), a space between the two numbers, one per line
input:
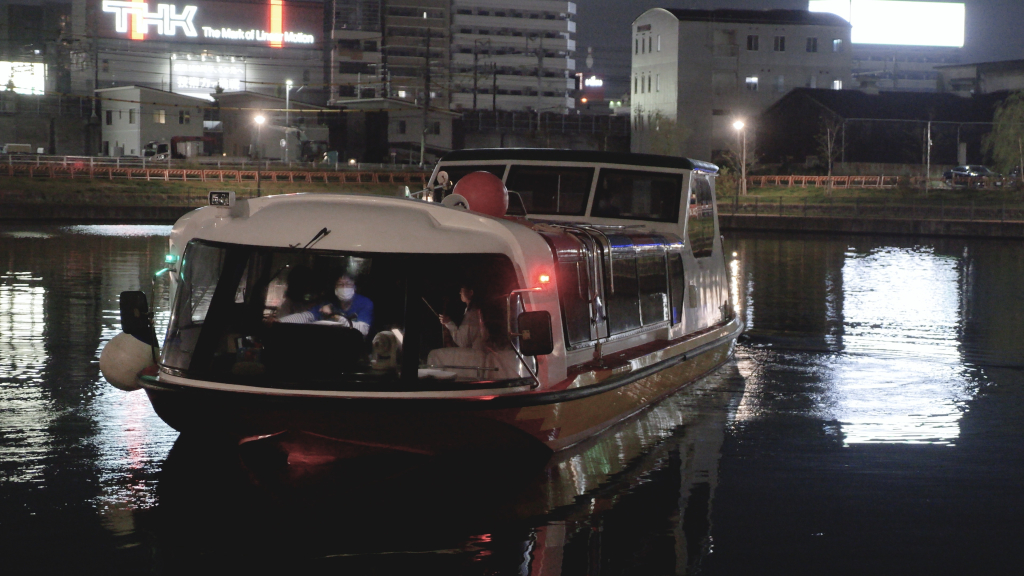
(85, 213)
(880, 226)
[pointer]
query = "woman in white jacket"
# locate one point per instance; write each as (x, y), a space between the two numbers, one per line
(471, 333)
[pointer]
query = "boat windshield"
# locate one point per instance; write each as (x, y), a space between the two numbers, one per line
(311, 319)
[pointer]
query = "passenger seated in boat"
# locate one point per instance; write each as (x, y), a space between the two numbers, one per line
(300, 298)
(347, 307)
(471, 333)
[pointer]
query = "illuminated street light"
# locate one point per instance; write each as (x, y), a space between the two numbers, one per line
(259, 119)
(740, 127)
(287, 123)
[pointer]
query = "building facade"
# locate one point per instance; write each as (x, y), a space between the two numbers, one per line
(695, 72)
(133, 116)
(519, 57)
(197, 47)
(982, 77)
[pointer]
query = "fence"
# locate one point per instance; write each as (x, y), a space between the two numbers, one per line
(109, 169)
(852, 207)
(837, 181)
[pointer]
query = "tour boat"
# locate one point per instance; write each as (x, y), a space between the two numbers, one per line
(596, 285)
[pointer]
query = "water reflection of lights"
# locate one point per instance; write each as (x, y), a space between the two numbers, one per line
(120, 230)
(25, 416)
(901, 379)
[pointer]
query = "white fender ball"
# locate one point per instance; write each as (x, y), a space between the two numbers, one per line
(122, 359)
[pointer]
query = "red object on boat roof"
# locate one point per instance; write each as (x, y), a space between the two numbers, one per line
(485, 192)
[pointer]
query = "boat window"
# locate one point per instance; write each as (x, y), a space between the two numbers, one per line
(573, 291)
(622, 291)
(282, 318)
(456, 172)
(552, 190)
(653, 285)
(700, 226)
(638, 195)
(677, 281)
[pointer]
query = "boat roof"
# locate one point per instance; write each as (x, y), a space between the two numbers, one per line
(358, 223)
(554, 155)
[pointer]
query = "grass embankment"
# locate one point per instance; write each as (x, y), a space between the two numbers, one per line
(160, 193)
(901, 202)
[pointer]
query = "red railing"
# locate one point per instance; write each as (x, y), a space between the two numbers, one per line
(110, 172)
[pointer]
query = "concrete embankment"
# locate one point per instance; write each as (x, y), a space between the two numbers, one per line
(91, 213)
(882, 226)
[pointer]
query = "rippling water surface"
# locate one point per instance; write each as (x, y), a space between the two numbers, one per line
(871, 423)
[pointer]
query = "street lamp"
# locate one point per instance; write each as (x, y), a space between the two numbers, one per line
(740, 127)
(287, 106)
(259, 119)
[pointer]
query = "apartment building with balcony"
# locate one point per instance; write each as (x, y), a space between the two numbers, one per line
(391, 49)
(513, 57)
(695, 72)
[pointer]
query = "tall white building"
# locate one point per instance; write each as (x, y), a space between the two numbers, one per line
(698, 71)
(513, 57)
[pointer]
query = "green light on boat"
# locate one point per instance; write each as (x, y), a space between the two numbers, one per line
(170, 259)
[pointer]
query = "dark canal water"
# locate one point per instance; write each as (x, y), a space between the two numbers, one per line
(873, 423)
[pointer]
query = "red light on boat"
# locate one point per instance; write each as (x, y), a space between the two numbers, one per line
(544, 279)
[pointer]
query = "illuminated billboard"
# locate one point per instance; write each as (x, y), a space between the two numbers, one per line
(273, 23)
(200, 75)
(23, 77)
(899, 22)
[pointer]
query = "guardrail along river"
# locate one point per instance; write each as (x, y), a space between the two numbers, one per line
(870, 423)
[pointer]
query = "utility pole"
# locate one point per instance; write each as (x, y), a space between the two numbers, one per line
(475, 73)
(426, 100)
(494, 91)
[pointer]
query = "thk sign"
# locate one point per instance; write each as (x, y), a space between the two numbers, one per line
(216, 22)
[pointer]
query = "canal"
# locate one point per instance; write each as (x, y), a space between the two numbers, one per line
(871, 422)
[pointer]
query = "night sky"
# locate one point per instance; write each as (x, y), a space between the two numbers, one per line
(993, 30)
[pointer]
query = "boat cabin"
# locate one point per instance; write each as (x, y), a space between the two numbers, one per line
(617, 255)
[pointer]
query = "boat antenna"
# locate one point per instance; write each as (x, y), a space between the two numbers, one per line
(319, 236)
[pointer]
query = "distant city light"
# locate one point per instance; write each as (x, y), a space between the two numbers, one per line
(899, 22)
(593, 82)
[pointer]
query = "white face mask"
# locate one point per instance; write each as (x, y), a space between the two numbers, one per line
(344, 294)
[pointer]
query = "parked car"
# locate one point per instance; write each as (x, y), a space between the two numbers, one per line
(976, 174)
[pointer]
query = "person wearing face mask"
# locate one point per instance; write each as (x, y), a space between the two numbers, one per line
(349, 308)
(471, 333)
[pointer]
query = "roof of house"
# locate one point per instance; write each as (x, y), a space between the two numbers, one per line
(804, 17)
(935, 106)
(157, 90)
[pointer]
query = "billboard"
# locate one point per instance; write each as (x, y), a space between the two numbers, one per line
(899, 22)
(23, 77)
(273, 23)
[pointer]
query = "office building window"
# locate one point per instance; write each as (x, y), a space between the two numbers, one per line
(635, 91)
(812, 44)
(159, 117)
(648, 82)
(636, 46)
(650, 41)
(752, 83)
(401, 127)
(110, 117)
(812, 82)
(837, 45)
(837, 84)
(780, 83)
(657, 82)
(184, 117)
(752, 42)
(659, 42)
(780, 43)
(131, 115)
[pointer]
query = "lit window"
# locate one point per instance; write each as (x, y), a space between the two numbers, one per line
(837, 84)
(401, 93)
(752, 42)
(780, 43)
(837, 45)
(659, 42)
(780, 83)
(159, 116)
(657, 82)
(752, 83)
